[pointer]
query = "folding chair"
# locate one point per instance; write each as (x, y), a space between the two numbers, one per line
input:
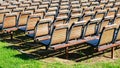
(105, 40)
(31, 22)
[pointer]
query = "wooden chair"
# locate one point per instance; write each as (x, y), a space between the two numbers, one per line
(106, 21)
(40, 12)
(9, 24)
(94, 4)
(22, 19)
(74, 18)
(88, 16)
(41, 31)
(100, 14)
(91, 28)
(31, 22)
(112, 12)
(58, 37)
(105, 40)
(60, 20)
(117, 19)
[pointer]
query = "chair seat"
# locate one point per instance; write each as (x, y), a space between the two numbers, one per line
(22, 28)
(31, 35)
(93, 42)
(45, 42)
(10, 29)
(0, 26)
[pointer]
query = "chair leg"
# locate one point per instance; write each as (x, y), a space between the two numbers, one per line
(66, 52)
(46, 48)
(11, 35)
(112, 53)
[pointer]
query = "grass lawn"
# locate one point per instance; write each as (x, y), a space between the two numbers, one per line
(8, 59)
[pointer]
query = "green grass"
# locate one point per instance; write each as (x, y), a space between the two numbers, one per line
(8, 59)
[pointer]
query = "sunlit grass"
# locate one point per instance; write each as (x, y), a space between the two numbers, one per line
(8, 59)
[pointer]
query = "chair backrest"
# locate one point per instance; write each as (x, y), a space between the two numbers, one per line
(40, 12)
(22, 20)
(76, 11)
(52, 9)
(107, 34)
(87, 9)
(112, 12)
(117, 19)
(76, 30)
(88, 16)
(64, 13)
(60, 20)
(85, 5)
(76, 6)
(108, 6)
(59, 34)
(92, 26)
(116, 5)
(100, 13)
(31, 22)
(31, 8)
(74, 18)
(42, 27)
(105, 22)
(94, 4)
(10, 20)
(50, 15)
(118, 34)
(2, 14)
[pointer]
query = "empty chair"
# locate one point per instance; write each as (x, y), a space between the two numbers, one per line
(87, 9)
(107, 20)
(11, 7)
(22, 20)
(64, 3)
(31, 22)
(4, 5)
(97, 8)
(50, 15)
(9, 24)
(64, 7)
(117, 19)
(76, 6)
(2, 8)
(58, 37)
(117, 37)
(112, 12)
(24, 5)
(40, 12)
(74, 2)
(52, 9)
(108, 6)
(111, 1)
(117, 4)
(84, 1)
(60, 20)
(64, 13)
(45, 7)
(41, 30)
(91, 28)
(88, 16)
(85, 5)
(74, 18)
(76, 11)
(94, 4)
(54, 5)
(31, 8)
(100, 14)
(2, 14)
(105, 40)
(103, 3)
